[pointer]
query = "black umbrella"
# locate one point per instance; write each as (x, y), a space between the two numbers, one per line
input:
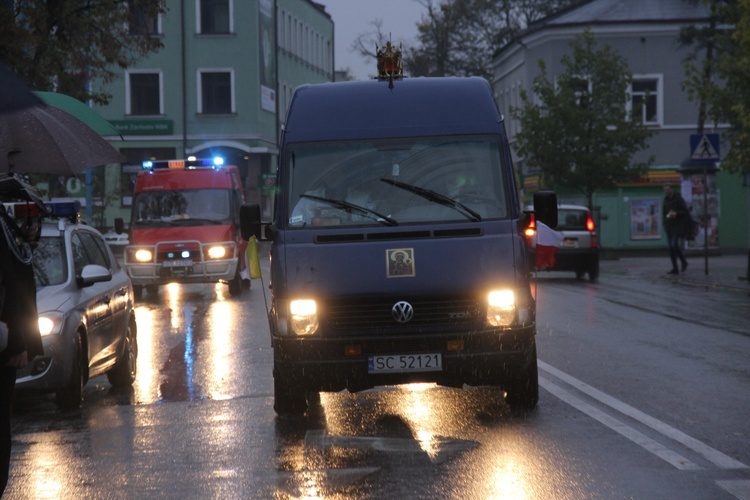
(16, 187)
(48, 140)
(15, 95)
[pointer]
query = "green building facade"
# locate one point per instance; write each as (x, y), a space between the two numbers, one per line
(220, 86)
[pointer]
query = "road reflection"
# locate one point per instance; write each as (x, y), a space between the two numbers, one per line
(48, 462)
(349, 442)
(186, 338)
(145, 380)
(220, 327)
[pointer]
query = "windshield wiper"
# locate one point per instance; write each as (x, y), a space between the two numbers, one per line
(437, 198)
(351, 207)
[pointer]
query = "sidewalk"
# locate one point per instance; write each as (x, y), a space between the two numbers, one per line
(724, 271)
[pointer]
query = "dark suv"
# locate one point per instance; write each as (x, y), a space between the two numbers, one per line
(579, 249)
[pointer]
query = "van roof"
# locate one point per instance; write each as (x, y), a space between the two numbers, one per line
(412, 107)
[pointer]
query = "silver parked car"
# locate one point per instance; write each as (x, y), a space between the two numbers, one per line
(86, 316)
(579, 249)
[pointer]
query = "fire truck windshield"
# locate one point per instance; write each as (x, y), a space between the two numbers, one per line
(184, 207)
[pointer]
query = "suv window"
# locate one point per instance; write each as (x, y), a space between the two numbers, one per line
(50, 266)
(96, 249)
(86, 251)
(568, 219)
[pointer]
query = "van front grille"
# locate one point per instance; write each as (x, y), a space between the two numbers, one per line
(377, 313)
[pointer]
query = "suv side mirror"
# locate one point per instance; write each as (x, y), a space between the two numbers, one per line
(545, 208)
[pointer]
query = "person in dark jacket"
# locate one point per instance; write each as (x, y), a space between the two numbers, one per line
(677, 226)
(18, 317)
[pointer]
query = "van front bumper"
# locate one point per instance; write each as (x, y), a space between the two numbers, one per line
(492, 357)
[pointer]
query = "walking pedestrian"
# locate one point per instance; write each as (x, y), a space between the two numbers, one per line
(677, 226)
(18, 315)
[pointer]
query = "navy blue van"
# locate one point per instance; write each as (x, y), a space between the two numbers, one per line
(397, 252)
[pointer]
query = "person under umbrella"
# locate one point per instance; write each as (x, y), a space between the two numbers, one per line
(18, 316)
(18, 313)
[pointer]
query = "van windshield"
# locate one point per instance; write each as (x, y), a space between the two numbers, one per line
(184, 207)
(396, 182)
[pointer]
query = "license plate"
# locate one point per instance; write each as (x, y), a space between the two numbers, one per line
(401, 363)
(569, 243)
(177, 263)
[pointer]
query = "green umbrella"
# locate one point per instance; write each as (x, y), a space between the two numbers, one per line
(73, 106)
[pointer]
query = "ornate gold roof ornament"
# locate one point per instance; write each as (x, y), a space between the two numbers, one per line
(389, 63)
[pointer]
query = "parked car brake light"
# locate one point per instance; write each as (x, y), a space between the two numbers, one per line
(530, 230)
(589, 223)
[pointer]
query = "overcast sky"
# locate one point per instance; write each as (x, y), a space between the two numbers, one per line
(354, 17)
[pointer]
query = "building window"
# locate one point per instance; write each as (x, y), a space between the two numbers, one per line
(644, 100)
(289, 33)
(215, 17)
(144, 94)
(215, 91)
(581, 88)
(140, 22)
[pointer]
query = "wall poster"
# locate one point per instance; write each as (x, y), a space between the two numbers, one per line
(645, 219)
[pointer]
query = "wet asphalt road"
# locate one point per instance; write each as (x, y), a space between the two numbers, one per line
(645, 394)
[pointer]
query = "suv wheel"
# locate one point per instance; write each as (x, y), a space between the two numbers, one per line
(123, 373)
(594, 270)
(70, 396)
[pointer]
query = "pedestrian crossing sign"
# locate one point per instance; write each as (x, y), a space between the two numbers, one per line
(704, 147)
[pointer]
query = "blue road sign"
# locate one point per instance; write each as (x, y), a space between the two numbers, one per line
(704, 147)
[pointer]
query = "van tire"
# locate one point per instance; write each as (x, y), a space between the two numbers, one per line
(235, 285)
(288, 399)
(523, 392)
(137, 292)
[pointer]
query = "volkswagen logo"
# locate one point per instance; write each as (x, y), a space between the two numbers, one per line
(402, 311)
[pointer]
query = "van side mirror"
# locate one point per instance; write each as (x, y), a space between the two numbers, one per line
(545, 208)
(250, 221)
(119, 225)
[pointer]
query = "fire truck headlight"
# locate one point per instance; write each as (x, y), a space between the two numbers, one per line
(501, 308)
(304, 317)
(144, 255)
(217, 252)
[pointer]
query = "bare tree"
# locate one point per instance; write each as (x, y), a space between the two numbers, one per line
(459, 37)
(64, 45)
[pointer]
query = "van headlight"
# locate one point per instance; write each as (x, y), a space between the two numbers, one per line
(51, 323)
(501, 308)
(303, 316)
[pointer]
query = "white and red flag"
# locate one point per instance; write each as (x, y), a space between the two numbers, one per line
(547, 242)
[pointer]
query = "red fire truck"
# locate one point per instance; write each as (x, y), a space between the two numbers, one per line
(184, 226)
